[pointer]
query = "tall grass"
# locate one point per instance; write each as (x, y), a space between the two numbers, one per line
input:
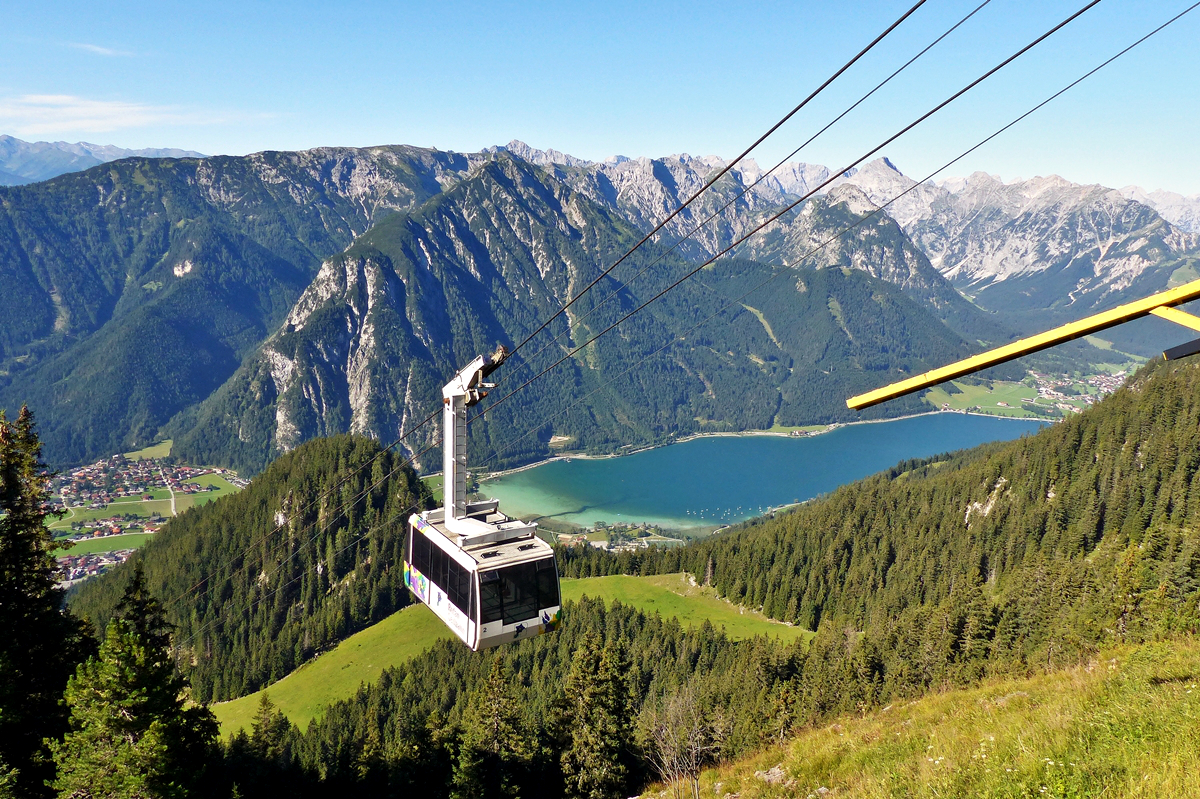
(1125, 725)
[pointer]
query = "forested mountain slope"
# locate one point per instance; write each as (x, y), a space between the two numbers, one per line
(1008, 560)
(139, 289)
(134, 289)
(261, 581)
(369, 343)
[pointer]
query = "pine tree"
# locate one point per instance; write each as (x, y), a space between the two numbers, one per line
(494, 753)
(596, 717)
(271, 734)
(131, 734)
(40, 643)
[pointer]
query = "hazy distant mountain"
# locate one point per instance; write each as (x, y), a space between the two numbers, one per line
(1182, 212)
(29, 162)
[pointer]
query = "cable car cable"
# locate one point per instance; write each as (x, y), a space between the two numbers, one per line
(774, 217)
(787, 270)
(185, 642)
(672, 215)
(326, 528)
(726, 169)
(745, 190)
(322, 496)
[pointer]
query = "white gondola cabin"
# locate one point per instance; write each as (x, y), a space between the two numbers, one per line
(488, 577)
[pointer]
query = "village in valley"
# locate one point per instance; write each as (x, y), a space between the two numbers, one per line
(111, 507)
(1040, 394)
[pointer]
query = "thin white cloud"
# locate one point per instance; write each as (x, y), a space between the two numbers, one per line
(98, 50)
(65, 114)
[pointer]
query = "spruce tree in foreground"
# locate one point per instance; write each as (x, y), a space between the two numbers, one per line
(40, 642)
(494, 754)
(132, 735)
(596, 723)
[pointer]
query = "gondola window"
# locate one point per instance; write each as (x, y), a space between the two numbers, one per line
(442, 570)
(514, 593)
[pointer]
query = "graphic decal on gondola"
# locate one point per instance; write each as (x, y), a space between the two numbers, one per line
(550, 623)
(416, 582)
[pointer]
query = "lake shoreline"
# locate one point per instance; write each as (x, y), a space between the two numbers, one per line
(745, 434)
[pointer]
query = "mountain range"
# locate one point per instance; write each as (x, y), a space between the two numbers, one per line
(29, 162)
(245, 304)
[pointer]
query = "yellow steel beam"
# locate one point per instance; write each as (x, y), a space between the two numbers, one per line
(1026, 346)
(1177, 316)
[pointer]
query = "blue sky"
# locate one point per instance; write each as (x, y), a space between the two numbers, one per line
(598, 78)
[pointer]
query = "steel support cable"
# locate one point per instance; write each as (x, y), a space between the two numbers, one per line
(321, 497)
(785, 270)
(774, 217)
(672, 215)
(725, 170)
(187, 641)
(788, 268)
(745, 190)
(326, 528)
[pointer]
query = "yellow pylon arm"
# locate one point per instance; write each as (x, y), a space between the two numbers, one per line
(1177, 316)
(1158, 304)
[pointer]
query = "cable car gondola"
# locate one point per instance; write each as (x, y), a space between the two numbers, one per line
(489, 578)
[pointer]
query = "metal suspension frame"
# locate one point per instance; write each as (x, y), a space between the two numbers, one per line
(1161, 305)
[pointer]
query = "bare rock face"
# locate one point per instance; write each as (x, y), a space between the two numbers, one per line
(1039, 245)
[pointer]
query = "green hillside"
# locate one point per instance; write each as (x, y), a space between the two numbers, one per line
(677, 596)
(992, 572)
(260, 581)
(338, 673)
(1122, 725)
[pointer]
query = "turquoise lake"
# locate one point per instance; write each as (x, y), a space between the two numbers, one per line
(724, 479)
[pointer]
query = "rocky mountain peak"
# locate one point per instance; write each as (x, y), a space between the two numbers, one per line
(538, 157)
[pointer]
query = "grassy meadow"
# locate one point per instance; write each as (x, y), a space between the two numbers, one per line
(160, 450)
(108, 543)
(1126, 724)
(986, 397)
(337, 674)
(674, 595)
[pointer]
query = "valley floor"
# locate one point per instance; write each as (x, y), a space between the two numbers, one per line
(1126, 724)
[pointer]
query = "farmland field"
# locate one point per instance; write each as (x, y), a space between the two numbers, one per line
(108, 543)
(223, 486)
(986, 398)
(126, 505)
